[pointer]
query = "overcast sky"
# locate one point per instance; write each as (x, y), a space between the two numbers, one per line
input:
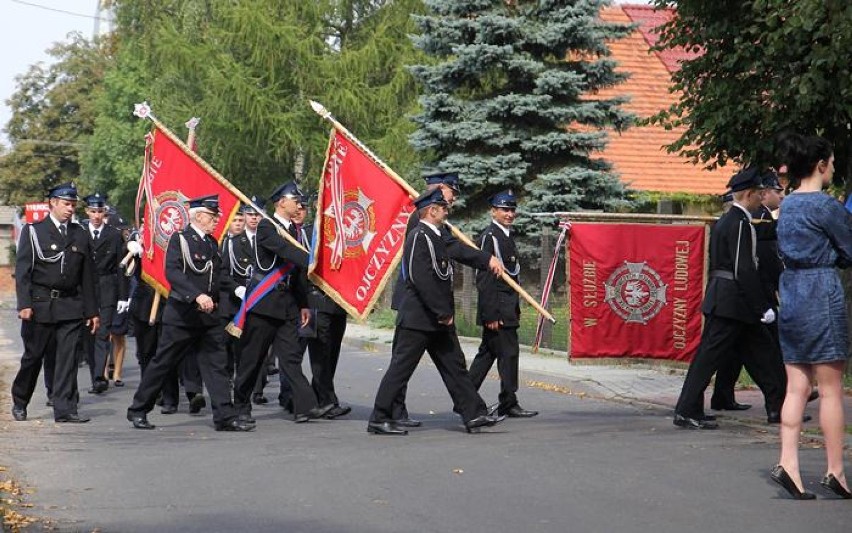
(29, 27)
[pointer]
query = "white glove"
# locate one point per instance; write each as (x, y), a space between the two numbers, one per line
(768, 317)
(134, 248)
(240, 292)
(122, 306)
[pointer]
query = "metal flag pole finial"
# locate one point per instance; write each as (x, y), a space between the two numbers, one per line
(192, 123)
(320, 109)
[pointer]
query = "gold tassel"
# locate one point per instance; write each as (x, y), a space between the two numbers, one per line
(232, 329)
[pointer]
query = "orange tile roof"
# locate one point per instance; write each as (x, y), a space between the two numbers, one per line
(638, 154)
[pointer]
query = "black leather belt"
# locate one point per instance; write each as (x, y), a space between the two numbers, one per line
(723, 274)
(39, 290)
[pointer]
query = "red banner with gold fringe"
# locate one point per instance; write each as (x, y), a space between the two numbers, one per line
(360, 227)
(636, 290)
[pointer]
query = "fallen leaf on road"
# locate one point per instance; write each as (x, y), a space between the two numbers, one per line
(458, 471)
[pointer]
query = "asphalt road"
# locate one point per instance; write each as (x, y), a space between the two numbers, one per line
(581, 466)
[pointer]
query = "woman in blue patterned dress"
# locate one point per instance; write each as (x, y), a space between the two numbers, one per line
(814, 238)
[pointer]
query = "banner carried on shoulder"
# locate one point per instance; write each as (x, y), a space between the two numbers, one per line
(360, 225)
(636, 290)
(170, 177)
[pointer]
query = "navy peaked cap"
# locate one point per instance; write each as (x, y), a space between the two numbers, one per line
(95, 200)
(747, 178)
(289, 189)
(210, 202)
(770, 181)
(247, 208)
(504, 199)
(450, 179)
(428, 198)
(65, 191)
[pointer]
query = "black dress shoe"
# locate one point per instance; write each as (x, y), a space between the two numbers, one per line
(301, 418)
(780, 476)
(140, 422)
(19, 413)
(482, 421)
(49, 402)
(694, 423)
(247, 418)
(287, 404)
(118, 383)
(775, 418)
(829, 482)
(385, 428)
(169, 409)
(517, 411)
(709, 418)
(731, 407)
(407, 423)
(197, 403)
(321, 411)
(235, 425)
(72, 418)
(338, 411)
(259, 399)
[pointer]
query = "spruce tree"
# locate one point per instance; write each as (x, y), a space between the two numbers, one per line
(509, 102)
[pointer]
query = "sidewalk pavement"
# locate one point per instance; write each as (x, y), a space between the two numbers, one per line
(648, 384)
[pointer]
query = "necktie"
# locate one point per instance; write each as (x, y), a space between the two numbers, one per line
(96, 232)
(62, 230)
(253, 246)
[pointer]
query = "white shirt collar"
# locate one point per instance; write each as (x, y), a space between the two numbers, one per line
(432, 227)
(198, 231)
(249, 233)
(283, 220)
(502, 227)
(93, 229)
(744, 210)
(56, 222)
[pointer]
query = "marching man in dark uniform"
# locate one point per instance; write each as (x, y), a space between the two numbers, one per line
(57, 295)
(274, 317)
(498, 308)
(107, 247)
(769, 270)
(326, 337)
(448, 184)
(736, 309)
(237, 266)
(425, 323)
(190, 320)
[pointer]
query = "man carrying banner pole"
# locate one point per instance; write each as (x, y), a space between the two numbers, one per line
(192, 268)
(274, 308)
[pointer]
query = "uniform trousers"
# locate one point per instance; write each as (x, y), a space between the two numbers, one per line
(173, 347)
(259, 334)
(501, 345)
(98, 346)
(58, 341)
(324, 352)
(721, 338)
(146, 337)
(729, 372)
(444, 349)
(187, 372)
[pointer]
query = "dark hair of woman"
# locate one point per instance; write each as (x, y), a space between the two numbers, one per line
(801, 154)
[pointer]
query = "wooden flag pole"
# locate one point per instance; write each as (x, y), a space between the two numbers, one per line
(320, 110)
(218, 177)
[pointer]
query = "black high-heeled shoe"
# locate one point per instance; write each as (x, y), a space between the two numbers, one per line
(829, 482)
(780, 476)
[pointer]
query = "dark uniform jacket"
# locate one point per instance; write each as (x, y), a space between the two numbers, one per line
(107, 251)
(770, 265)
(457, 250)
(187, 285)
(731, 246)
(238, 265)
(142, 298)
(291, 294)
(498, 301)
(317, 299)
(428, 285)
(72, 279)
